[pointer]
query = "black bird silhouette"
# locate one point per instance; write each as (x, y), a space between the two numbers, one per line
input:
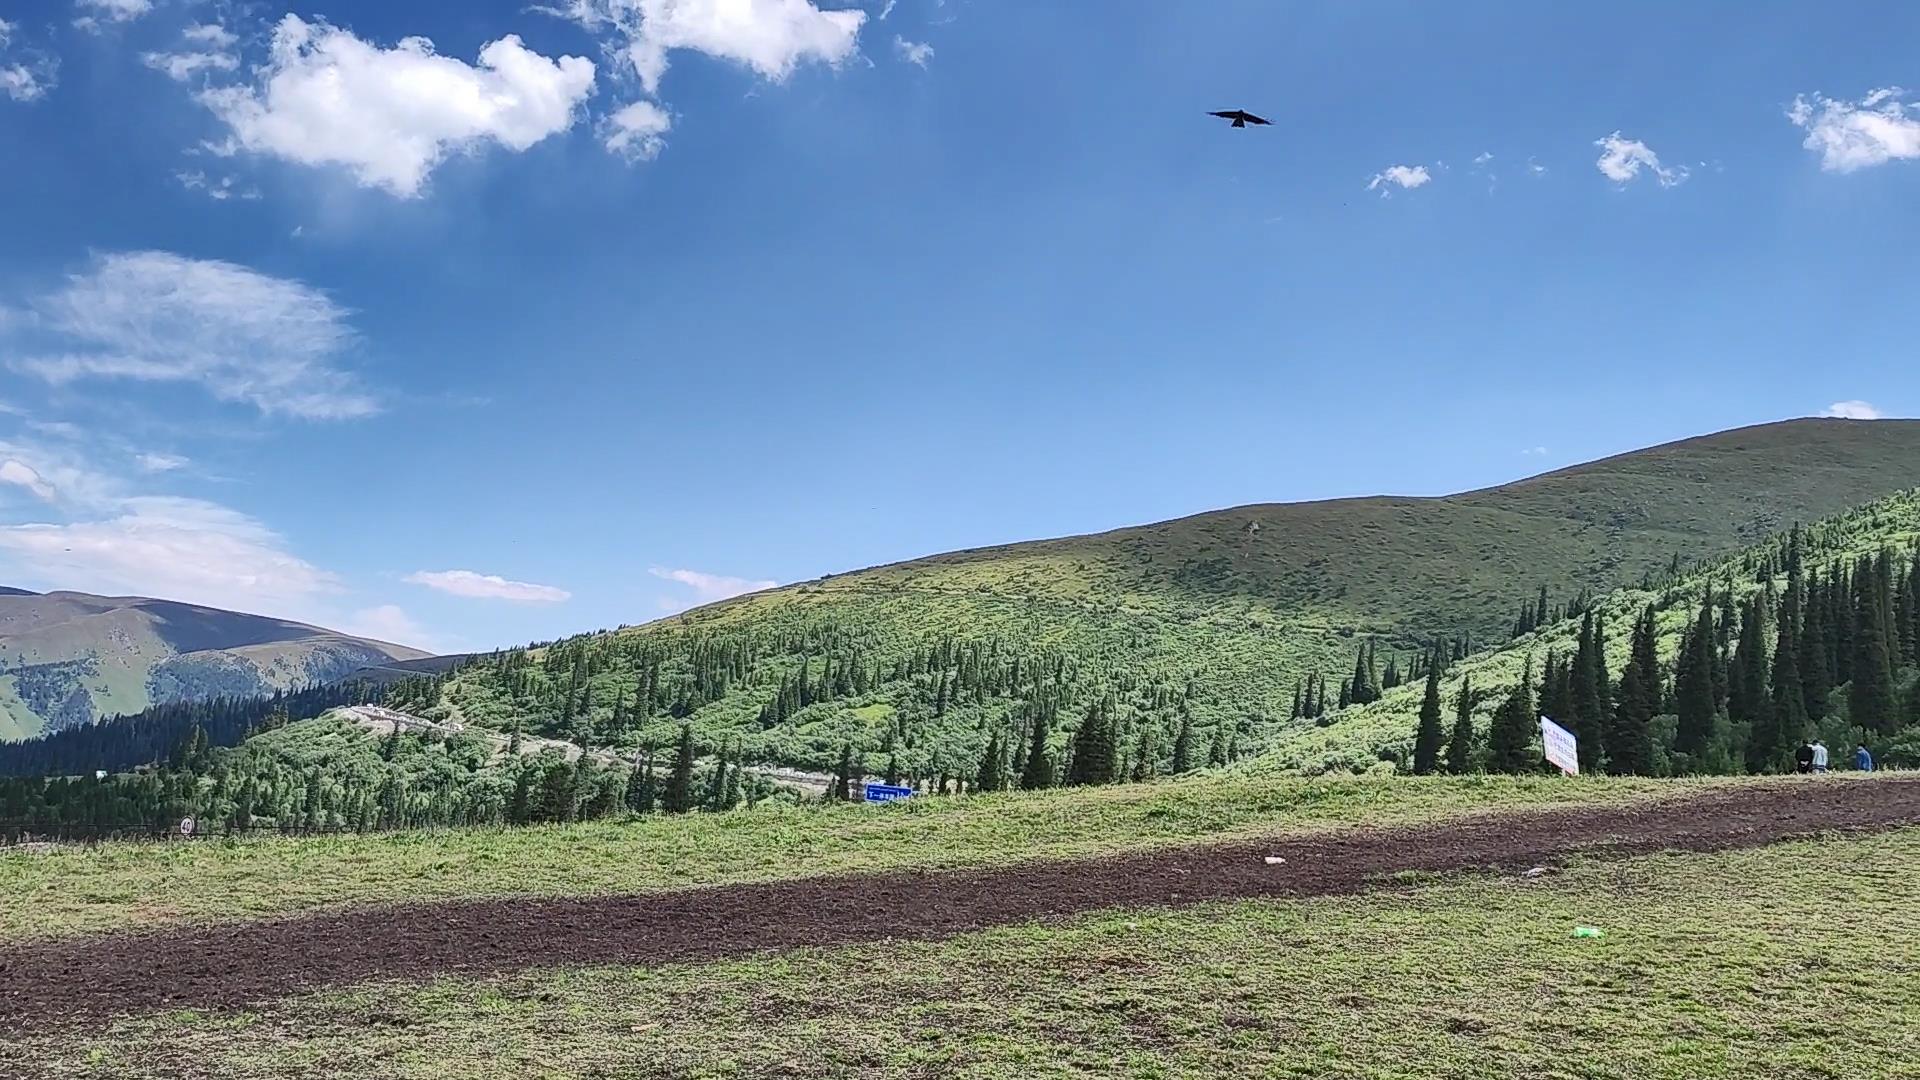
(1241, 118)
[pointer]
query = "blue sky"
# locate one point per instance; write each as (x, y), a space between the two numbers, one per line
(575, 317)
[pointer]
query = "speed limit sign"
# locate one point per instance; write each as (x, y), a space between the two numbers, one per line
(186, 826)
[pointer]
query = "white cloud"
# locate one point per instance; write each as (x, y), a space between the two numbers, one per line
(23, 83)
(28, 79)
(110, 10)
(1853, 135)
(1536, 168)
(219, 190)
(1406, 177)
(392, 115)
(1853, 410)
(1621, 159)
(183, 66)
(1534, 451)
(20, 474)
(770, 37)
(181, 549)
(887, 9)
(477, 586)
(209, 34)
(636, 131)
(157, 463)
(244, 336)
(913, 52)
(708, 588)
(1483, 157)
(391, 624)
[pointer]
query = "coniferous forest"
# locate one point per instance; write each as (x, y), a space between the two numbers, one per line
(1721, 668)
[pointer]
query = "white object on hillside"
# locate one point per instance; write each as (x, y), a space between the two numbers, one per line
(1562, 748)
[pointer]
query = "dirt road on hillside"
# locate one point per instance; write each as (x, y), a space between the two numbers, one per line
(82, 982)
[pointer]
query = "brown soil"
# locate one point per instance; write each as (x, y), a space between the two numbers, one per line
(90, 980)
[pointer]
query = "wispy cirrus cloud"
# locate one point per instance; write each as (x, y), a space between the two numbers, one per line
(245, 337)
(26, 75)
(477, 586)
(706, 588)
(93, 13)
(178, 548)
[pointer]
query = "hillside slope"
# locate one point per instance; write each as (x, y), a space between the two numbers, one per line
(1356, 737)
(70, 658)
(1208, 621)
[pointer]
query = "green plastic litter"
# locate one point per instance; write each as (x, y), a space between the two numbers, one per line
(1588, 931)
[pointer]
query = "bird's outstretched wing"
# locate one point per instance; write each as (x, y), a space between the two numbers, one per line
(1228, 114)
(1252, 119)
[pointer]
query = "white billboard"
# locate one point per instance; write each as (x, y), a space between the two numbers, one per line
(1562, 748)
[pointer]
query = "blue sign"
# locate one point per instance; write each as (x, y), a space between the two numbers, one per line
(887, 793)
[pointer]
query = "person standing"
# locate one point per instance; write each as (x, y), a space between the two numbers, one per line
(1862, 760)
(1819, 756)
(1803, 757)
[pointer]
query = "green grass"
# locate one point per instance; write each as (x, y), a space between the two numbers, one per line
(1795, 961)
(147, 884)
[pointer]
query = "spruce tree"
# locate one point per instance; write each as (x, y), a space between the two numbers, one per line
(1630, 740)
(1772, 748)
(1693, 688)
(1460, 743)
(1429, 735)
(1183, 745)
(1587, 698)
(1510, 740)
(678, 797)
(1816, 657)
(991, 776)
(1038, 771)
(1870, 698)
(1751, 700)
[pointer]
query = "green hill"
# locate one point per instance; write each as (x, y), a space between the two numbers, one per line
(71, 658)
(1214, 618)
(1357, 737)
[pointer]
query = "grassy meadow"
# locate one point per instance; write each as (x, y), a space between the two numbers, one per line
(145, 885)
(1792, 961)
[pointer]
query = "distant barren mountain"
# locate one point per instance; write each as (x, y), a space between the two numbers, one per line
(69, 658)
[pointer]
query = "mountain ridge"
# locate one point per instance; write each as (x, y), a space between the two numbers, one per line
(70, 657)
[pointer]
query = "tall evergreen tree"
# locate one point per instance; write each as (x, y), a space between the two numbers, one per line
(1693, 688)
(1816, 656)
(1038, 771)
(678, 797)
(1750, 699)
(1588, 681)
(1870, 698)
(1630, 740)
(1510, 740)
(1429, 736)
(992, 774)
(1183, 745)
(1460, 743)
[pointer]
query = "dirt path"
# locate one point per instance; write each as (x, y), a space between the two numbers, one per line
(82, 982)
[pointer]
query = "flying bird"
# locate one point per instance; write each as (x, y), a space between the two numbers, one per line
(1241, 118)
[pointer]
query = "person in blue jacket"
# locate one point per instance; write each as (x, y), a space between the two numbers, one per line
(1861, 759)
